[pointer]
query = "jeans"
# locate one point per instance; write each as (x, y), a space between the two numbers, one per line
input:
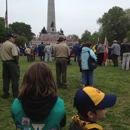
(87, 77)
(76, 56)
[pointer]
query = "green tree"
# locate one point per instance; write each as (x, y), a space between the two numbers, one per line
(128, 35)
(85, 36)
(22, 29)
(128, 14)
(94, 37)
(2, 30)
(74, 35)
(21, 40)
(127, 11)
(114, 24)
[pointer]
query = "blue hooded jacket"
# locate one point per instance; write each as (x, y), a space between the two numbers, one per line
(85, 56)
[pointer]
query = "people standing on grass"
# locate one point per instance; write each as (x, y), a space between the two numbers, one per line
(76, 49)
(38, 106)
(91, 105)
(18, 49)
(10, 63)
(61, 53)
(125, 49)
(87, 74)
(41, 51)
(69, 58)
(100, 53)
(32, 55)
(48, 52)
(79, 62)
(115, 52)
(22, 50)
(28, 53)
(36, 50)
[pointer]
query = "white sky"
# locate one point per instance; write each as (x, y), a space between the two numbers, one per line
(73, 16)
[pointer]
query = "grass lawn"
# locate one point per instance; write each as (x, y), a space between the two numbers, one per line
(108, 79)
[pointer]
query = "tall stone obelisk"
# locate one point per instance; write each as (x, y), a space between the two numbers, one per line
(51, 23)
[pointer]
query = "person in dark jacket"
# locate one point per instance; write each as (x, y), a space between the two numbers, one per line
(38, 107)
(76, 50)
(100, 54)
(91, 104)
(125, 49)
(41, 51)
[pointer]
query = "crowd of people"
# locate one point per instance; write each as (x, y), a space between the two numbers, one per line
(115, 52)
(37, 105)
(44, 51)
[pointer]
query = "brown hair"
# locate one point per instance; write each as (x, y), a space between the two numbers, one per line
(84, 115)
(38, 81)
(88, 44)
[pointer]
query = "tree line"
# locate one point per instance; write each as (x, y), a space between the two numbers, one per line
(114, 24)
(22, 30)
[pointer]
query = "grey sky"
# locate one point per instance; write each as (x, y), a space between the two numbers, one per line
(73, 16)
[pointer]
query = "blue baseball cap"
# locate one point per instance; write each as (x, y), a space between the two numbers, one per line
(11, 35)
(89, 97)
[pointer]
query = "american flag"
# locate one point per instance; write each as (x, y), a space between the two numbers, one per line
(6, 20)
(6, 17)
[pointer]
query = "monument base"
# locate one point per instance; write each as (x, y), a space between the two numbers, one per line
(52, 37)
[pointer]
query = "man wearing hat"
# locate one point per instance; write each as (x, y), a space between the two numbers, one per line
(11, 70)
(61, 53)
(91, 105)
(115, 52)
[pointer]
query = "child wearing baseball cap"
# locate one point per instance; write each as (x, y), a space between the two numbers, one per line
(91, 104)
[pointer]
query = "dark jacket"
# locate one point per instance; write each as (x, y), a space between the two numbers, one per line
(76, 48)
(41, 49)
(125, 47)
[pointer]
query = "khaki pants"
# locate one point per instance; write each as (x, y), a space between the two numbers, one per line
(126, 61)
(61, 68)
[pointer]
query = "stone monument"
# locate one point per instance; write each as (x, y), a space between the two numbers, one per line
(50, 34)
(51, 23)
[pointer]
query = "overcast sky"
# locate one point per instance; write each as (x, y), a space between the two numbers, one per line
(73, 16)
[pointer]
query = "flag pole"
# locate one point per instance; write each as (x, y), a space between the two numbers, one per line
(105, 51)
(7, 11)
(6, 17)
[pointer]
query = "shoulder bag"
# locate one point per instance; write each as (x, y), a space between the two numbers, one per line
(91, 62)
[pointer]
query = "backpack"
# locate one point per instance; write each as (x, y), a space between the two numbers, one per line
(91, 62)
